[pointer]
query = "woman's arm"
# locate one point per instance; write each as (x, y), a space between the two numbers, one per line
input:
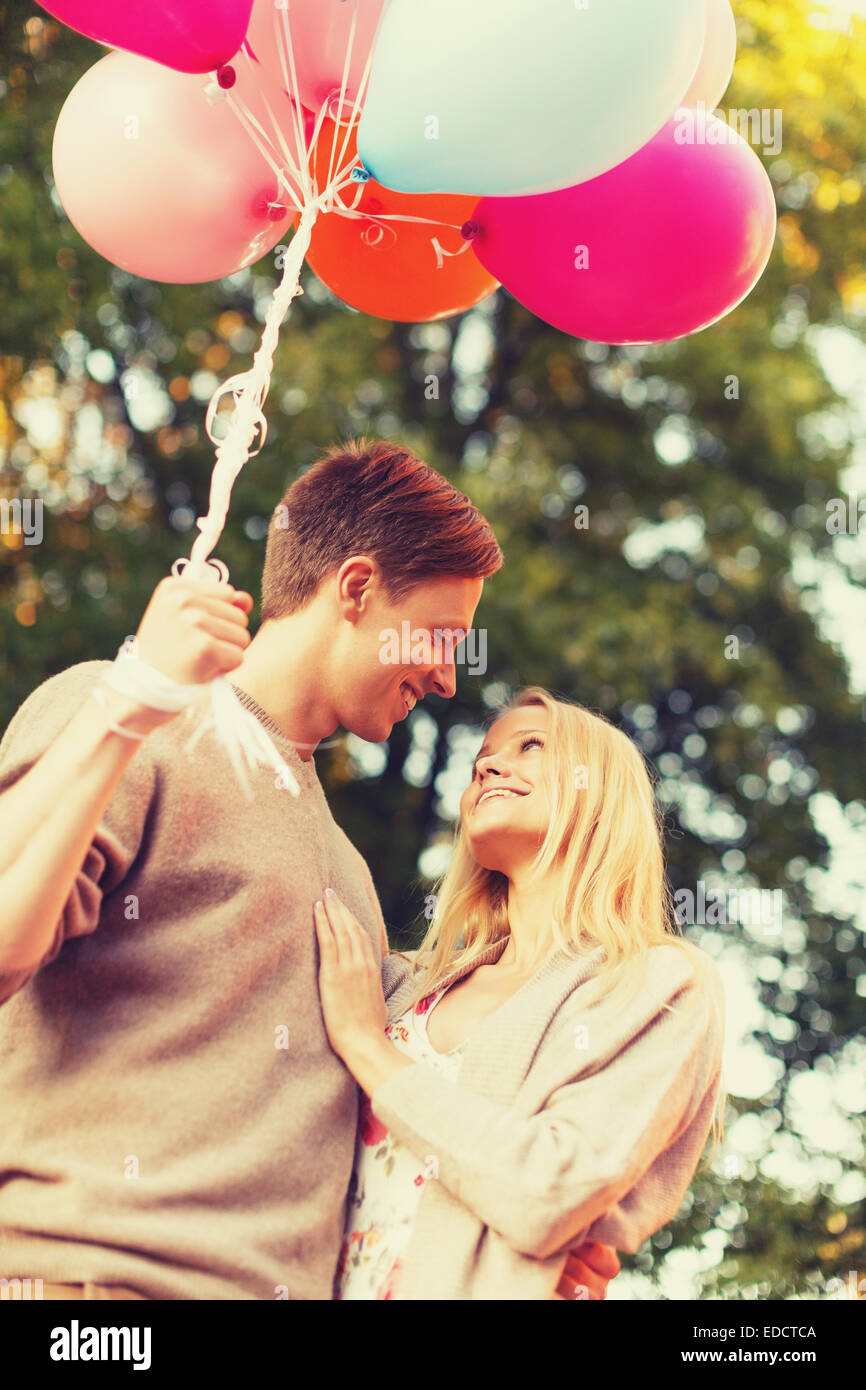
(542, 1180)
(352, 995)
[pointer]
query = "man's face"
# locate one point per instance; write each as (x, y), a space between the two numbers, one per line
(394, 653)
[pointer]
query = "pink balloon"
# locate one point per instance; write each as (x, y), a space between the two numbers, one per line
(188, 35)
(320, 31)
(161, 180)
(661, 246)
(716, 67)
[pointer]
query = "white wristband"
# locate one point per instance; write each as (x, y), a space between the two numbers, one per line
(133, 677)
(236, 728)
(99, 694)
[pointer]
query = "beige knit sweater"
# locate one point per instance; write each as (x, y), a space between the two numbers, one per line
(567, 1122)
(172, 1116)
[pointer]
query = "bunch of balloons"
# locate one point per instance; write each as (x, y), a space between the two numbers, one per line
(424, 153)
(440, 150)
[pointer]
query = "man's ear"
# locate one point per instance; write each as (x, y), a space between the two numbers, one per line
(356, 580)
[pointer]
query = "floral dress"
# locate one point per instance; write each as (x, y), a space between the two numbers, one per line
(387, 1178)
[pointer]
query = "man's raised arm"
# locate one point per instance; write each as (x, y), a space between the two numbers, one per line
(192, 631)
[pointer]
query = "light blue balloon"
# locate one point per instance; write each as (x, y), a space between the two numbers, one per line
(510, 97)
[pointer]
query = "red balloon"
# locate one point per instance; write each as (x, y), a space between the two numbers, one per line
(661, 246)
(410, 272)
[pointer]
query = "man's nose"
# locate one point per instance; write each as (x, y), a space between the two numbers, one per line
(445, 680)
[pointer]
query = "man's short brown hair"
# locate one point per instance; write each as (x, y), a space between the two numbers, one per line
(372, 498)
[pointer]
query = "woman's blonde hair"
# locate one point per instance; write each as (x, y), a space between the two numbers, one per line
(603, 839)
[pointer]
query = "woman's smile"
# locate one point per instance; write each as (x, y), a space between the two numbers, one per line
(498, 791)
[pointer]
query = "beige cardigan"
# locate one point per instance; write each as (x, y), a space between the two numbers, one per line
(567, 1122)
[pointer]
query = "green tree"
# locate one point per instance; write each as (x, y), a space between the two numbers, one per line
(681, 609)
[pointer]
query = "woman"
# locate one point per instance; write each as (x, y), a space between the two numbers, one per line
(545, 1072)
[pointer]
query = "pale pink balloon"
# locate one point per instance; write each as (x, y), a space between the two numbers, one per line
(320, 32)
(716, 67)
(661, 246)
(161, 178)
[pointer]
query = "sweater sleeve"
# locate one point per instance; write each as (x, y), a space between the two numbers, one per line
(34, 726)
(396, 969)
(540, 1181)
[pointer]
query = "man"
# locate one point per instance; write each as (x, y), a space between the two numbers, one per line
(174, 1122)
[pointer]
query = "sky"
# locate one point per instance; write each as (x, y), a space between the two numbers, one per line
(842, 9)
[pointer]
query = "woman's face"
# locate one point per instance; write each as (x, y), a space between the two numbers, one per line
(505, 810)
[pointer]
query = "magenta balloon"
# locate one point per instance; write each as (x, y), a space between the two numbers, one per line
(673, 239)
(320, 31)
(188, 35)
(160, 180)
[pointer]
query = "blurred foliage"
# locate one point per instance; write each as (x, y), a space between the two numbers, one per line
(699, 507)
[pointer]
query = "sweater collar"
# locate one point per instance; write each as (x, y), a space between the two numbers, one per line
(558, 963)
(273, 728)
(499, 1051)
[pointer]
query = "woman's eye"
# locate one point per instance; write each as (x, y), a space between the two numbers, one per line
(530, 743)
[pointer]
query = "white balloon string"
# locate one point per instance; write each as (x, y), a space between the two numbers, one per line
(249, 390)
(376, 218)
(314, 139)
(260, 139)
(277, 125)
(354, 211)
(336, 204)
(279, 159)
(346, 64)
(287, 63)
(356, 111)
(216, 703)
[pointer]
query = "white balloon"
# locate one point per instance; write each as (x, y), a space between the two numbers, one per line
(507, 97)
(716, 67)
